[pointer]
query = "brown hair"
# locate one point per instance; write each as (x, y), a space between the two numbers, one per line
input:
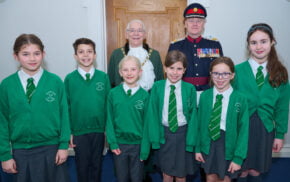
(221, 60)
(174, 57)
(84, 41)
(277, 72)
(25, 39)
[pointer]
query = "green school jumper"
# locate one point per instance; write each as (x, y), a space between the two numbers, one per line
(154, 115)
(125, 119)
(87, 102)
(118, 55)
(43, 121)
(237, 126)
(272, 104)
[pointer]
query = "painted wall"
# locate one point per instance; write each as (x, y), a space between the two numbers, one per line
(59, 23)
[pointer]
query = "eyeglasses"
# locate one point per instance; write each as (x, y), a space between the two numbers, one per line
(224, 75)
(135, 30)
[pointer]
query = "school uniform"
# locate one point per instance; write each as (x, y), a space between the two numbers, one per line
(124, 131)
(87, 106)
(268, 110)
(177, 162)
(234, 126)
(34, 130)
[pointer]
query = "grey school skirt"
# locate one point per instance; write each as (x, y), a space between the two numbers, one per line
(260, 146)
(172, 159)
(215, 162)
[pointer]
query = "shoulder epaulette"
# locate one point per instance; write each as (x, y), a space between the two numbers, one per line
(209, 37)
(177, 40)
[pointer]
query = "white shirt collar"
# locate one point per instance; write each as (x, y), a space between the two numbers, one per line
(36, 77)
(254, 65)
(225, 93)
(83, 72)
(134, 89)
(177, 84)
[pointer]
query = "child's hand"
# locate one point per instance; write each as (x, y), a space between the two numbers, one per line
(116, 151)
(9, 166)
(61, 156)
(233, 167)
(71, 142)
(277, 145)
(198, 157)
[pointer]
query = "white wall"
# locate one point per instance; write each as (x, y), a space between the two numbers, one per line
(59, 22)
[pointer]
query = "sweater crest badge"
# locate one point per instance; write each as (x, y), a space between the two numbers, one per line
(139, 104)
(50, 96)
(100, 86)
(238, 107)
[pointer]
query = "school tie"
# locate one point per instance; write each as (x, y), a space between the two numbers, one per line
(260, 77)
(214, 125)
(172, 110)
(30, 87)
(129, 92)
(88, 77)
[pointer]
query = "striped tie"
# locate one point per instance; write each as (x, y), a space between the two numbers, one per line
(172, 110)
(214, 125)
(30, 87)
(88, 77)
(260, 77)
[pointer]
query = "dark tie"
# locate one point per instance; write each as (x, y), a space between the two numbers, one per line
(88, 77)
(260, 77)
(30, 87)
(172, 110)
(129, 92)
(214, 125)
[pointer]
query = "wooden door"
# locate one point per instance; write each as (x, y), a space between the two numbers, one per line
(163, 20)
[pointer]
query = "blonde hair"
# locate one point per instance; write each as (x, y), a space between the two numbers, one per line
(132, 58)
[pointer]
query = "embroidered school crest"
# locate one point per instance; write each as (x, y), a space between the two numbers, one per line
(50, 96)
(238, 107)
(139, 104)
(100, 86)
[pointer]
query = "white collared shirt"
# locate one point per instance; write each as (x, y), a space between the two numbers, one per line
(133, 90)
(225, 103)
(254, 65)
(24, 76)
(83, 72)
(180, 116)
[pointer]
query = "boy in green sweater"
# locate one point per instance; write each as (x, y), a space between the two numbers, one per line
(34, 122)
(87, 90)
(125, 122)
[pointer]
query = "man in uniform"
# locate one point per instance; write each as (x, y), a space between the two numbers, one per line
(200, 52)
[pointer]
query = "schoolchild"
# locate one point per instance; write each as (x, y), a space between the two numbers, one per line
(264, 81)
(87, 89)
(125, 122)
(223, 125)
(34, 123)
(172, 120)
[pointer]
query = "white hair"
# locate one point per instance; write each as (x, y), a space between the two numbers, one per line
(136, 21)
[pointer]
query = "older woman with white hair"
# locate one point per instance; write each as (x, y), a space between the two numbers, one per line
(135, 46)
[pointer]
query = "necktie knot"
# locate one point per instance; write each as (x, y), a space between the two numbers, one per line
(30, 80)
(219, 97)
(129, 92)
(172, 88)
(88, 76)
(260, 68)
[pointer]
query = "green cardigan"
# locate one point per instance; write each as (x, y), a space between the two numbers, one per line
(154, 115)
(43, 121)
(125, 119)
(117, 56)
(237, 126)
(87, 102)
(272, 104)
